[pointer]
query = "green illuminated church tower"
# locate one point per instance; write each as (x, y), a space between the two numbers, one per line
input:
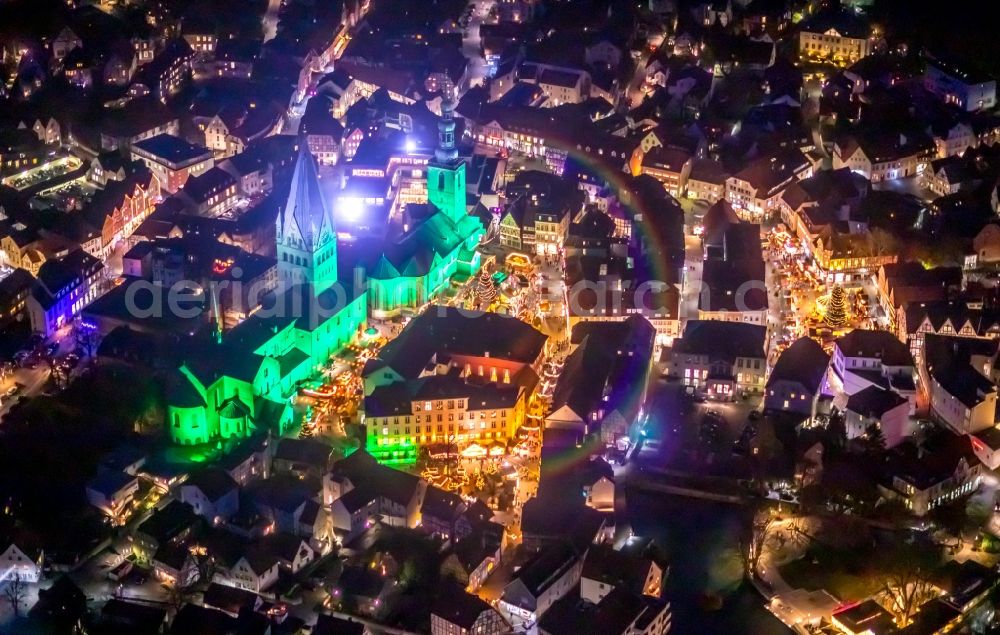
(440, 241)
(446, 173)
(306, 236)
(243, 384)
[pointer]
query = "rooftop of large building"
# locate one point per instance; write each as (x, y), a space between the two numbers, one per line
(804, 361)
(949, 362)
(881, 345)
(721, 339)
(173, 150)
(441, 332)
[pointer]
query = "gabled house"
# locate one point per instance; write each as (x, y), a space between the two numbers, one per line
(291, 552)
(596, 391)
(471, 560)
(755, 191)
(254, 571)
(306, 457)
(606, 569)
(539, 584)
(252, 170)
(323, 132)
(64, 286)
(361, 508)
(456, 612)
(212, 493)
(174, 564)
(959, 374)
(363, 587)
(720, 359)
(230, 599)
(112, 492)
(901, 284)
(798, 378)
(26, 563)
(865, 357)
(915, 320)
(884, 156)
(283, 499)
(118, 209)
(620, 612)
(171, 524)
(62, 607)
(933, 472)
(876, 406)
(440, 512)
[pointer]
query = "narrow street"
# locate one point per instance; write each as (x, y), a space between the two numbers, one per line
(478, 70)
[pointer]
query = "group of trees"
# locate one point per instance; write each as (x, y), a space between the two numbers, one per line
(898, 570)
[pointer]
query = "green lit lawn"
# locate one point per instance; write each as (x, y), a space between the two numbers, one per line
(185, 454)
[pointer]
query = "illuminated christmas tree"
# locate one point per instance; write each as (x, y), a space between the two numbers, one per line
(836, 309)
(486, 289)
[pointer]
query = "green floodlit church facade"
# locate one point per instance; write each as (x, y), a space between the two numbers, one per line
(416, 266)
(244, 382)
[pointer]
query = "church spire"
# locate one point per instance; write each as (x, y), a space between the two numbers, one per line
(307, 212)
(306, 232)
(446, 151)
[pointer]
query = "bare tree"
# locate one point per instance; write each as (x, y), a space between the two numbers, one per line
(756, 540)
(904, 578)
(904, 590)
(14, 592)
(207, 568)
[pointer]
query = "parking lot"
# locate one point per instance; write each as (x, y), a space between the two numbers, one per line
(687, 434)
(42, 173)
(28, 371)
(65, 197)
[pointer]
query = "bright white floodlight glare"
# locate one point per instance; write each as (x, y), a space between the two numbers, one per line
(350, 208)
(411, 146)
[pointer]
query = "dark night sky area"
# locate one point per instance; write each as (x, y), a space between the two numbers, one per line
(965, 29)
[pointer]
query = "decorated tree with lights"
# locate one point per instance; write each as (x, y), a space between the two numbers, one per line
(486, 289)
(836, 309)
